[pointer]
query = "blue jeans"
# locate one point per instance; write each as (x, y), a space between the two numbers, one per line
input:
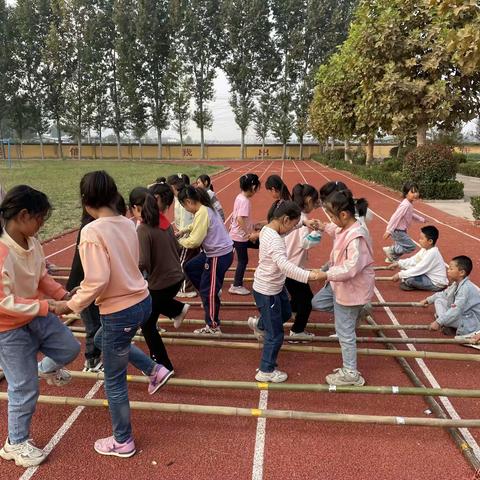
(403, 243)
(114, 339)
(18, 359)
(274, 311)
(422, 282)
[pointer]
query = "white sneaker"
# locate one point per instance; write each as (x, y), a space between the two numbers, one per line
(239, 290)
(303, 337)
(389, 254)
(25, 454)
(59, 378)
(343, 376)
(177, 321)
(206, 330)
(253, 324)
(469, 336)
(275, 377)
(192, 294)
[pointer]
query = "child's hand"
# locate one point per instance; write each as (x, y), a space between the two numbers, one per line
(59, 308)
(435, 326)
(393, 266)
(317, 275)
(396, 277)
(70, 294)
(312, 223)
(180, 234)
(253, 237)
(386, 235)
(424, 302)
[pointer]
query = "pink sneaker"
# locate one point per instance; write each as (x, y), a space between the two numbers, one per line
(109, 446)
(158, 378)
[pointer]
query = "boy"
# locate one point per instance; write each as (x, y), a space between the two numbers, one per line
(459, 305)
(426, 269)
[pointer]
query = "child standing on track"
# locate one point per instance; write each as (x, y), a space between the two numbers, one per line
(110, 255)
(398, 225)
(351, 281)
(269, 290)
(242, 229)
(203, 181)
(26, 326)
(207, 270)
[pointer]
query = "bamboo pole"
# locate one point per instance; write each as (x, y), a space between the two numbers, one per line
(308, 339)
(61, 269)
(252, 269)
(250, 279)
(383, 279)
(60, 278)
(296, 387)
(229, 303)
(310, 349)
(256, 412)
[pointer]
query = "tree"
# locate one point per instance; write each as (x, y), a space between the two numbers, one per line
(20, 118)
(202, 41)
(5, 64)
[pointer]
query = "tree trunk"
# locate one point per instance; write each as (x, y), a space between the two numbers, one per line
(421, 134)
(59, 138)
(263, 148)
(79, 145)
(21, 147)
(347, 151)
(181, 143)
(101, 143)
(370, 145)
(119, 148)
(202, 144)
(140, 152)
(300, 152)
(42, 150)
(284, 151)
(159, 143)
(242, 145)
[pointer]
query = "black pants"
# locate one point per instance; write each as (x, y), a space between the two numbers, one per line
(301, 302)
(185, 255)
(91, 319)
(163, 303)
(242, 260)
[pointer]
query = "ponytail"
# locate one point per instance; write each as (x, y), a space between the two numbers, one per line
(331, 187)
(339, 202)
(205, 179)
(301, 192)
(275, 182)
(361, 206)
(163, 193)
(141, 197)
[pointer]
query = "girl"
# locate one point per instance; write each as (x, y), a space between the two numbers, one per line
(297, 243)
(398, 225)
(242, 230)
(203, 181)
(269, 288)
(207, 270)
(350, 282)
(182, 220)
(160, 263)
(277, 188)
(26, 326)
(110, 256)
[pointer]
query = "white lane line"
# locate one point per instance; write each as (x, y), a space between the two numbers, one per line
(30, 472)
(259, 451)
(60, 251)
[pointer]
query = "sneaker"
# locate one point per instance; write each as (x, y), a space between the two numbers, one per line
(470, 336)
(364, 313)
(177, 321)
(302, 336)
(59, 378)
(239, 290)
(25, 454)
(334, 335)
(94, 364)
(206, 330)
(253, 324)
(406, 287)
(275, 377)
(191, 294)
(389, 255)
(343, 376)
(158, 378)
(109, 446)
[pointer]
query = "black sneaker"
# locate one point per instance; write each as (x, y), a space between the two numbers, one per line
(94, 364)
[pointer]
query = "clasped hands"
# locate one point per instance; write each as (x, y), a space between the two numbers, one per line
(59, 307)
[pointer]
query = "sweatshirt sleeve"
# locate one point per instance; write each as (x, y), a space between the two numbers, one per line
(418, 218)
(354, 264)
(397, 217)
(96, 265)
(199, 230)
(50, 287)
(454, 312)
(279, 256)
(145, 253)
(412, 261)
(421, 268)
(330, 229)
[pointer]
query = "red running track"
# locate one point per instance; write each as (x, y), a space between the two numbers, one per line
(209, 447)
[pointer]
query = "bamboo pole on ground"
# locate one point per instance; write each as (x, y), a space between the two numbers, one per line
(457, 437)
(308, 339)
(61, 269)
(295, 387)
(60, 278)
(256, 412)
(250, 279)
(230, 303)
(310, 349)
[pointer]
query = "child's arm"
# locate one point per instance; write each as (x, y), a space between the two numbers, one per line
(242, 223)
(145, 251)
(452, 315)
(410, 262)
(330, 229)
(418, 218)
(354, 264)
(51, 288)
(424, 266)
(279, 256)
(199, 230)
(395, 219)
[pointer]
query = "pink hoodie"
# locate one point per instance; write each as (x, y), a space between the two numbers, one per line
(351, 264)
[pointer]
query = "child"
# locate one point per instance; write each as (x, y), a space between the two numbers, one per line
(207, 270)
(182, 220)
(242, 230)
(398, 225)
(110, 255)
(350, 284)
(203, 181)
(160, 264)
(277, 188)
(458, 306)
(426, 269)
(26, 326)
(269, 288)
(297, 244)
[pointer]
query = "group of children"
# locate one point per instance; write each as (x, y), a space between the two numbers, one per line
(128, 271)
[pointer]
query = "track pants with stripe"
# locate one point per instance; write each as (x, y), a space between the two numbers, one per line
(186, 255)
(207, 275)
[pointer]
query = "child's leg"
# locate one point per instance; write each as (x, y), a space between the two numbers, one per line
(194, 268)
(421, 282)
(301, 295)
(323, 300)
(167, 305)
(270, 308)
(211, 282)
(403, 244)
(158, 352)
(441, 305)
(18, 360)
(91, 319)
(185, 256)
(242, 261)
(345, 324)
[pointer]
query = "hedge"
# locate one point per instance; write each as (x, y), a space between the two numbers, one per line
(475, 203)
(472, 169)
(432, 163)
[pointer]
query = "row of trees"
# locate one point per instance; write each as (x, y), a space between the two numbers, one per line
(136, 65)
(406, 66)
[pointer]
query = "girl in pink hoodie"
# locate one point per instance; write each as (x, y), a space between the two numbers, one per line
(350, 281)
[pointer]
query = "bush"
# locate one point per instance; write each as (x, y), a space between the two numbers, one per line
(359, 157)
(430, 164)
(336, 155)
(470, 168)
(460, 157)
(475, 204)
(400, 152)
(392, 165)
(449, 190)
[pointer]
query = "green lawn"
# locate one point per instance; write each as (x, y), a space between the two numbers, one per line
(60, 181)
